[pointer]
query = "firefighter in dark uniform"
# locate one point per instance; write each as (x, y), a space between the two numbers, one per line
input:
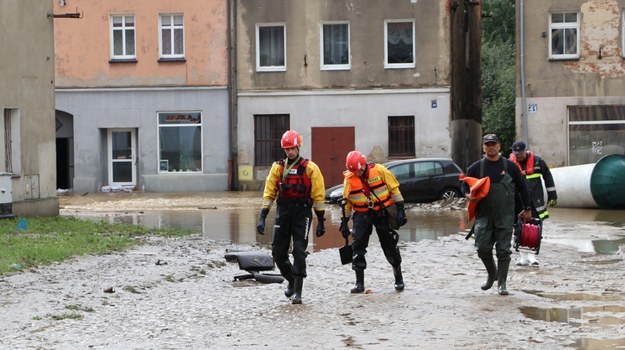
(495, 213)
(296, 184)
(369, 188)
(534, 168)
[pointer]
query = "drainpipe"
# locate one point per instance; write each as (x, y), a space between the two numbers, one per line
(233, 182)
(526, 136)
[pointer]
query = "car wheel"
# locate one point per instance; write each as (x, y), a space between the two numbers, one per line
(449, 193)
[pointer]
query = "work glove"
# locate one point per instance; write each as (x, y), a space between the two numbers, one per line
(260, 228)
(321, 229)
(344, 228)
(552, 198)
(401, 214)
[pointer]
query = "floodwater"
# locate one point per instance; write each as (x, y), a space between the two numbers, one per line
(232, 217)
(178, 292)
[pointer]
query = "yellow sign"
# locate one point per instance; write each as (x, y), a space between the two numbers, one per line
(245, 172)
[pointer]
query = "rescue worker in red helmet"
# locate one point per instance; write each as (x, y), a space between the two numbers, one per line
(296, 185)
(535, 170)
(369, 188)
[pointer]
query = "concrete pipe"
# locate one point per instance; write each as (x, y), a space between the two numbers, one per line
(598, 185)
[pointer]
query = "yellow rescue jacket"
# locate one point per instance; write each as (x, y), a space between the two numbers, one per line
(375, 194)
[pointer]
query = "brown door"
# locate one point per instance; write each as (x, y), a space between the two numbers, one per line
(329, 149)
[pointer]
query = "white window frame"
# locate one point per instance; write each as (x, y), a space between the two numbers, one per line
(564, 26)
(123, 29)
(259, 68)
(160, 125)
(414, 58)
(172, 28)
(331, 66)
(11, 141)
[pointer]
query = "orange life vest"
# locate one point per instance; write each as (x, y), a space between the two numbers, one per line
(374, 196)
(529, 163)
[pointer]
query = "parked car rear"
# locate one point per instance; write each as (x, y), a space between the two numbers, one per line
(420, 180)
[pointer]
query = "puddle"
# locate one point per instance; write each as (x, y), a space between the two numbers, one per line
(577, 316)
(232, 217)
(576, 296)
(604, 246)
(238, 225)
(593, 344)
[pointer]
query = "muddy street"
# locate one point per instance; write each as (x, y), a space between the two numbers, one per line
(180, 293)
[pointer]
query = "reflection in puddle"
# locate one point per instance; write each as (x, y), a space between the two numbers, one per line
(238, 225)
(592, 344)
(575, 296)
(234, 224)
(576, 316)
(605, 246)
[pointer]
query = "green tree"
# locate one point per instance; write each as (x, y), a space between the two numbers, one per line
(498, 70)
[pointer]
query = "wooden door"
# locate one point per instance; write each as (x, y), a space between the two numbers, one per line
(330, 146)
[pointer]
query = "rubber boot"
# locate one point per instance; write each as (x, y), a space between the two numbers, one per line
(290, 288)
(503, 276)
(399, 279)
(360, 282)
(491, 268)
(297, 298)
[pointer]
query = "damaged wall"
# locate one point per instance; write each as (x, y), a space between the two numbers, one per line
(552, 85)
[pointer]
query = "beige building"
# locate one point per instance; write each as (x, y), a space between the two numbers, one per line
(369, 75)
(141, 95)
(571, 74)
(27, 154)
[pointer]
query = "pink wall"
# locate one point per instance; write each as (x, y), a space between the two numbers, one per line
(82, 46)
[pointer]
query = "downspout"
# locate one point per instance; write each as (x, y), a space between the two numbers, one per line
(522, 72)
(233, 182)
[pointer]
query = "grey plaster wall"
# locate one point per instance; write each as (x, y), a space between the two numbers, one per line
(596, 78)
(366, 110)
(96, 110)
(27, 89)
(366, 21)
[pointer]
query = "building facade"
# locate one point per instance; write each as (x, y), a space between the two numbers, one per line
(142, 95)
(571, 79)
(27, 166)
(368, 75)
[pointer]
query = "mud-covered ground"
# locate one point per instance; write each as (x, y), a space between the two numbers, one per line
(179, 293)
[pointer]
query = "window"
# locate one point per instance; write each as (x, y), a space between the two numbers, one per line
(564, 38)
(427, 169)
(401, 171)
(401, 139)
(123, 37)
(270, 47)
(399, 48)
(10, 137)
(268, 130)
(179, 142)
(595, 132)
(171, 36)
(335, 46)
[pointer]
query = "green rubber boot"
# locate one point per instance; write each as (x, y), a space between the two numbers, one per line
(491, 268)
(503, 276)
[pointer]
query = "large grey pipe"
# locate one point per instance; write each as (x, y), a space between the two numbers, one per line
(600, 184)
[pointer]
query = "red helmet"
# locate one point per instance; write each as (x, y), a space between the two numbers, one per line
(291, 139)
(355, 161)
